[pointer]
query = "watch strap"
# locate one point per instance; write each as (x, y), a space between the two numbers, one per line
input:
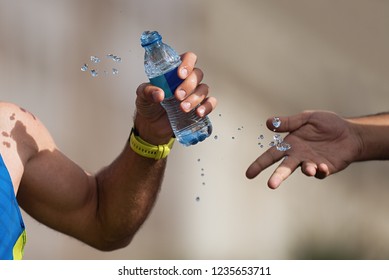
(145, 149)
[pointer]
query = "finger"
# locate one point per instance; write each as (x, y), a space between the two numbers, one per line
(190, 84)
(196, 98)
(309, 168)
(288, 123)
(262, 162)
(189, 60)
(150, 93)
(282, 172)
(207, 106)
(322, 171)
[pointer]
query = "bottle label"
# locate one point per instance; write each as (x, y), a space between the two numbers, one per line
(168, 82)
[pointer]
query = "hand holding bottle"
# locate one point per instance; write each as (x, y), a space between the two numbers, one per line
(151, 119)
(163, 66)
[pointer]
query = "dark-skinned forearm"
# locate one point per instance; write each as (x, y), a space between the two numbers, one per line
(127, 190)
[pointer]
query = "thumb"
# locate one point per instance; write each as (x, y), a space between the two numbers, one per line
(288, 123)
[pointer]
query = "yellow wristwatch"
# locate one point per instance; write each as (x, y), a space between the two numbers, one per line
(145, 149)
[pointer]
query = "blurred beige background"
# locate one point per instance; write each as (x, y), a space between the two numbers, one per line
(260, 58)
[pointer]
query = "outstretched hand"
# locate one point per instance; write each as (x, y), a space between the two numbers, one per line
(322, 143)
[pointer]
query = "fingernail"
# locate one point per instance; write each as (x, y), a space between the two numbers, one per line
(201, 111)
(184, 72)
(185, 105)
(181, 94)
(156, 95)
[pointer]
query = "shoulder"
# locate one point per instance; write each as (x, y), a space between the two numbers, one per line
(22, 137)
(12, 149)
(14, 117)
(6, 110)
(23, 128)
(10, 112)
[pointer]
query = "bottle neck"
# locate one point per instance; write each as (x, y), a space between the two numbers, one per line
(154, 45)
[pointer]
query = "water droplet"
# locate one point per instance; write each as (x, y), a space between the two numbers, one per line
(198, 199)
(279, 143)
(203, 183)
(202, 174)
(198, 160)
(94, 73)
(233, 138)
(277, 138)
(114, 57)
(261, 137)
(94, 59)
(283, 147)
(115, 71)
(215, 137)
(276, 122)
(84, 67)
(220, 115)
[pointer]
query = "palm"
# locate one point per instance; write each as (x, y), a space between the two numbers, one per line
(322, 143)
(323, 139)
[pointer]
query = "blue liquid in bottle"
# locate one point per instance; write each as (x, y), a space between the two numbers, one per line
(161, 63)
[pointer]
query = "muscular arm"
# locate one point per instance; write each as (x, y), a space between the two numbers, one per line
(105, 209)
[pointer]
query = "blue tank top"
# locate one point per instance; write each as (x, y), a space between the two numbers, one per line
(12, 231)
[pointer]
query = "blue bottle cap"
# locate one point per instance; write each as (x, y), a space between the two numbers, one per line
(149, 37)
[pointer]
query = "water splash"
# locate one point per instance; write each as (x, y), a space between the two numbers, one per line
(279, 143)
(96, 60)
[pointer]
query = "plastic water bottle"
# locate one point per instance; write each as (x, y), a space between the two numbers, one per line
(161, 63)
